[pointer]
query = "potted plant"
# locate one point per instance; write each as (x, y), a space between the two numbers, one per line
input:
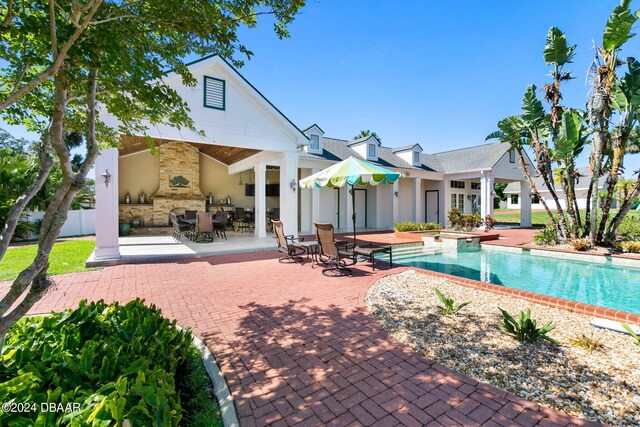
(124, 228)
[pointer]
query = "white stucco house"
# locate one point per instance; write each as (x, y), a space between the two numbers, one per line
(252, 155)
(514, 198)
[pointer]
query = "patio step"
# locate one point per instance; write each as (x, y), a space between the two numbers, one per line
(408, 252)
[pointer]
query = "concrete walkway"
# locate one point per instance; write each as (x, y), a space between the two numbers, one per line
(298, 348)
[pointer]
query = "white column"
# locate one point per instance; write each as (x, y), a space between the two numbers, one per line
(395, 197)
(260, 211)
(289, 196)
(107, 223)
(486, 194)
(416, 189)
(315, 203)
(525, 204)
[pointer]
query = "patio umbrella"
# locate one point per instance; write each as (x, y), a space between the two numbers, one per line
(350, 171)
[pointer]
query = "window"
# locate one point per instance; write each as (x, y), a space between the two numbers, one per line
(512, 156)
(514, 199)
(454, 201)
(475, 185)
(214, 93)
(314, 143)
(461, 202)
(457, 184)
(416, 158)
(371, 150)
(535, 199)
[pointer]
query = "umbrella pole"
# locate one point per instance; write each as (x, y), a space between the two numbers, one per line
(353, 214)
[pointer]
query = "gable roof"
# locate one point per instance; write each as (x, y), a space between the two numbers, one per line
(363, 139)
(582, 184)
(313, 125)
(215, 58)
(406, 148)
(479, 157)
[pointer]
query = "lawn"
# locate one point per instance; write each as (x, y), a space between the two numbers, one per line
(539, 218)
(66, 257)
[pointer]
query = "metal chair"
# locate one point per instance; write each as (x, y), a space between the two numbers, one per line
(243, 220)
(179, 229)
(220, 227)
(336, 255)
(204, 228)
(287, 244)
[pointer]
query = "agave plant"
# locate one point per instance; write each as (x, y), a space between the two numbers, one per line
(449, 307)
(525, 329)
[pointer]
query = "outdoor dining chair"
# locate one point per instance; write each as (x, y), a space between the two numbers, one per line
(220, 226)
(288, 244)
(336, 255)
(179, 229)
(204, 227)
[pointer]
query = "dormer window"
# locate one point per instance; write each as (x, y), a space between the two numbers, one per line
(416, 158)
(314, 143)
(371, 151)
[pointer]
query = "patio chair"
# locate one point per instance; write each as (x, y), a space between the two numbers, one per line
(204, 228)
(179, 229)
(243, 220)
(220, 227)
(337, 255)
(190, 214)
(287, 244)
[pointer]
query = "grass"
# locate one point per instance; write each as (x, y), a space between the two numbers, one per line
(196, 394)
(66, 257)
(540, 218)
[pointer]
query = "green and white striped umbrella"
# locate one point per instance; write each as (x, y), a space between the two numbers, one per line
(350, 171)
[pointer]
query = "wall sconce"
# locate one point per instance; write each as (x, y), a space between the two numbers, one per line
(293, 184)
(469, 197)
(395, 194)
(107, 177)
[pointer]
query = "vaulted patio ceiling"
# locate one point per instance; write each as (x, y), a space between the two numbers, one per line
(223, 154)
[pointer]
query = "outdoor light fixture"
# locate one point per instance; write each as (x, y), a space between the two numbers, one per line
(396, 194)
(293, 184)
(240, 182)
(107, 177)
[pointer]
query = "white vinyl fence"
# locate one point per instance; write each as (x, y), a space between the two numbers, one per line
(79, 222)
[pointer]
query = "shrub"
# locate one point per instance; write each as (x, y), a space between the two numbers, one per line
(632, 247)
(632, 333)
(629, 228)
(489, 223)
(455, 217)
(587, 343)
(449, 307)
(581, 244)
(117, 362)
(546, 236)
(525, 328)
(415, 226)
(460, 221)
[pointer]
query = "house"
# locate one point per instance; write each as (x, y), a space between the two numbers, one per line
(514, 198)
(251, 155)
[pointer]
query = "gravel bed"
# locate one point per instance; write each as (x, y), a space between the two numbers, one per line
(601, 385)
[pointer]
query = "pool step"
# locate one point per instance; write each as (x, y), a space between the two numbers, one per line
(407, 252)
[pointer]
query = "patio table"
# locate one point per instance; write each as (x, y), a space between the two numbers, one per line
(371, 251)
(311, 247)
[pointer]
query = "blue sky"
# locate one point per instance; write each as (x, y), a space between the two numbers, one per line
(434, 72)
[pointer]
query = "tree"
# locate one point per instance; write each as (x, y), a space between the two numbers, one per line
(119, 67)
(560, 135)
(366, 133)
(499, 188)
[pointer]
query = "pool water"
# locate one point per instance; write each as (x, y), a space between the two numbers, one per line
(598, 284)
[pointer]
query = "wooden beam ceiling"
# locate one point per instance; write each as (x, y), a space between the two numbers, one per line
(223, 154)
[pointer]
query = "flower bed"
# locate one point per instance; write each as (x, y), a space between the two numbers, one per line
(102, 364)
(601, 385)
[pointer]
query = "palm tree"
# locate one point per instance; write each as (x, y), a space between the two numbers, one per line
(366, 133)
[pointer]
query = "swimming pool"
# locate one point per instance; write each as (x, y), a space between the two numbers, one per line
(598, 284)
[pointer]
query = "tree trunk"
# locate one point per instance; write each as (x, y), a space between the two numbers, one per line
(45, 164)
(623, 211)
(527, 176)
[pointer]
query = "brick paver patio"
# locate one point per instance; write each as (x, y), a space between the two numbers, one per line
(297, 348)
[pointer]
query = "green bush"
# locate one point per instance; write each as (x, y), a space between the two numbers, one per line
(460, 221)
(415, 226)
(117, 362)
(547, 237)
(525, 329)
(629, 228)
(449, 307)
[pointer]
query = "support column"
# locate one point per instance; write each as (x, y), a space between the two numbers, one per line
(395, 193)
(525, 204)
(315, 202)
(416, 199)
(107, 246)
(260, 211)
(486, 194)
(288, 195)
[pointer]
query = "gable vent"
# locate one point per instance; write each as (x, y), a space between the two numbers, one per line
(214, 93)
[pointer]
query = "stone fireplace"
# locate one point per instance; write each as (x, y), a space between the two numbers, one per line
(179, 181)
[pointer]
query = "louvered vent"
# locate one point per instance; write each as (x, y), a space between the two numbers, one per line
(214, 93)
